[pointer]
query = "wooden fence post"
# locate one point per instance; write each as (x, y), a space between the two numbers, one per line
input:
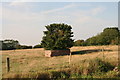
(103, 54)
(8, 64)
(70, 58)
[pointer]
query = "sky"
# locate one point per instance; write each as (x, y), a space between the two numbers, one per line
(26, 21)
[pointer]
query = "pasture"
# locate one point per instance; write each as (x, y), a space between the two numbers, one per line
(33, 61)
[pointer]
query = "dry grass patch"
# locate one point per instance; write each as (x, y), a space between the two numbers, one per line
(33, 61)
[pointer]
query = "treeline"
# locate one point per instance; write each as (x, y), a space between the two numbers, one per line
(109, 36)
(10, 44)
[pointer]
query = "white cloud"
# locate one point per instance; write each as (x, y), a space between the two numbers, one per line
(15, 3)
(59, 9)
(20, 6)
(91, 16)
(18, 16)
(97, 10)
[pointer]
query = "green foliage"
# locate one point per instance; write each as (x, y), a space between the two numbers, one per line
(107, 37)
(111, 74)
(91, 41)
(57, 36)
(103, 66)
(59, 74)
(98, 67)
(79, 43)
(37, 46)
(24, 47)
(12, 45)
(8, 44)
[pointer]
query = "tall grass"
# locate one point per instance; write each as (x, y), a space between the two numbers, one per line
(95, 68)
(32, 64)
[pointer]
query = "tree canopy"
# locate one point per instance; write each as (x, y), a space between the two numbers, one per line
(57, 36)
(107, 37)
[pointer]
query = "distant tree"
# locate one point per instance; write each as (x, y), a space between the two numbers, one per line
(1, 44)
(18, 47)
(37, 46)
(9, 44)
(25, 47)
(79, 43)
(57, 36)
(107, 37)
(92, 41)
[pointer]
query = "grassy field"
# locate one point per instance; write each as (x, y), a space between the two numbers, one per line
(32, 62)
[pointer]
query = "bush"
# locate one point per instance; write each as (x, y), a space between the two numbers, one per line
(59, 74)
(37, 46)
(24, 47)
(111, 74)
(43, 75)
(103, 66)
(79, 43)
(97, 65)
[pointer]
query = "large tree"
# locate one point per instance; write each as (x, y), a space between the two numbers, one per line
(57, 37)
(109, 35)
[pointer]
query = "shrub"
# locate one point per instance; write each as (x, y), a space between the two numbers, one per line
(37, 46)
(111, 74)
(25, 47)
(59, 74)
(79, 43)
(43, 75)
(97, 66)
(103, 66)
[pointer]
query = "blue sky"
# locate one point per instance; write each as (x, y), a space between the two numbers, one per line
(25, 21)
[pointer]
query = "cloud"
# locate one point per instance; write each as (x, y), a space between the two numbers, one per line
(15, 3)
(97, 10)
(88, 16)
(23, 16)
(59, 9)
(19, 2)
(19, 16)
